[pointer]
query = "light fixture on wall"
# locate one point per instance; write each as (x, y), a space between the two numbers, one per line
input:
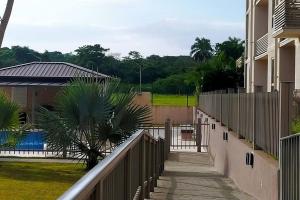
(213, 126)
(250, 159)
(225, 136)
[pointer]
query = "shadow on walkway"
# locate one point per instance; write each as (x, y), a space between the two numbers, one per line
(190, 176)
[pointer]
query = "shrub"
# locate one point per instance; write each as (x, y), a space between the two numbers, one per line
(296, 126)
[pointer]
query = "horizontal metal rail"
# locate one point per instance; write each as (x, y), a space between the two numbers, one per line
(290, 136)
(129, 172)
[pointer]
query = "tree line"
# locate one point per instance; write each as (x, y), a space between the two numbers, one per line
(207, 68)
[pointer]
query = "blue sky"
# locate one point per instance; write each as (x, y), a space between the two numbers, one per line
(164, 27)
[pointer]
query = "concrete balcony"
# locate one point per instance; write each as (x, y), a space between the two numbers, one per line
(261, 46)
(287, 19)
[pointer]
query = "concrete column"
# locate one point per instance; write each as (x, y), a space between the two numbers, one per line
(33, 104)
(297, 75)
(297, 64)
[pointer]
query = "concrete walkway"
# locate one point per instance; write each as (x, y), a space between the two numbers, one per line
(189, 176)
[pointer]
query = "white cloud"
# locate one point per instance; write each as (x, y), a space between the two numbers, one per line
(167, 37)
(121, 25)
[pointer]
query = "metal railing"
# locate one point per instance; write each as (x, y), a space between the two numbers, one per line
(287, 15)
(129, 172)
(289, 161)
(253, 116)
(262, 45)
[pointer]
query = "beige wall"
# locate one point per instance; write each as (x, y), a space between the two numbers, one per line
(261, 74)
(228, 157)
(260, 21)
(7, 91)
(287, 64)
(297, 64)
(178, 115)
(36, 96)
(143, 99)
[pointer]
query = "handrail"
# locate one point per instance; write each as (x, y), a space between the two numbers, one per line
(290, 136)
(83, 188)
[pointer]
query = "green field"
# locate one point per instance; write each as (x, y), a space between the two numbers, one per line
(173, 100)
(37, 181)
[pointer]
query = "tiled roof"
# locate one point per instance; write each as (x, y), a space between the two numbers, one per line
(48, 70)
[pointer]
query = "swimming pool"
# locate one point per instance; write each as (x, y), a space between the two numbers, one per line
(32, 141)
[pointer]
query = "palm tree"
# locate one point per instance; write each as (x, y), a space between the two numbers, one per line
(201, 50)
(9, 113)
(4, 20)
(91, 116)
(9, 122)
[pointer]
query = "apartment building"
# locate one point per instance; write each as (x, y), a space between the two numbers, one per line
(272, 54)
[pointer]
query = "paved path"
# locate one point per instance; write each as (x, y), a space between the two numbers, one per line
(189, 176)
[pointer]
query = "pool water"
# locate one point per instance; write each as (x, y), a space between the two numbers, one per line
(32, 141)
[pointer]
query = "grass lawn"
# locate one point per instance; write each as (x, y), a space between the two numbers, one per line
(173, 100)
(37, 181)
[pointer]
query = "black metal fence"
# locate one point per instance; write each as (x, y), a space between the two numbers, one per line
(253, 116)
(183, 137)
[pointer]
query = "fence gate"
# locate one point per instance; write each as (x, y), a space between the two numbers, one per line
(190, 137)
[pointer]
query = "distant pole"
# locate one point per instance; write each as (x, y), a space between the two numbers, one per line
(140, 79)
(187, 99)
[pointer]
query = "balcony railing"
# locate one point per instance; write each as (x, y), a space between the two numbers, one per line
(262, 45)
(287, 19)
(129, 172)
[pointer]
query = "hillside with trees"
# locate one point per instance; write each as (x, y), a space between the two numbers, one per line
(207, 68)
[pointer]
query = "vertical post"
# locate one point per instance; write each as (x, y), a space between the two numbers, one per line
(33, 104)
(99, 191)
(199, 135)
(238, 113)
(128, 176)
(148, 166)
(142, 168)
(187, 100)
(168, 135)
(156, 161)
(140, 79)
(254, 120)
(285, 106)
(153, 175)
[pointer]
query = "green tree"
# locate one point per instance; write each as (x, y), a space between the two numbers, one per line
(229, 51)
(25, 54)
(134, 55)
(90, 116)
(9, 113)
(7, 57)
(201, 50)
(91, 56)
